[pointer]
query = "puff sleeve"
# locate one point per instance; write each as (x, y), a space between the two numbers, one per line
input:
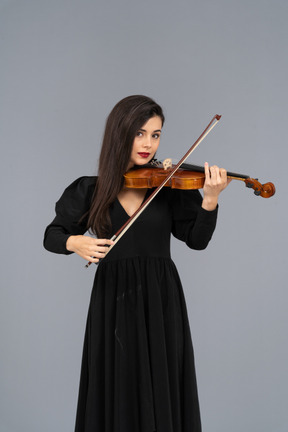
(190, 222)
(70, 208)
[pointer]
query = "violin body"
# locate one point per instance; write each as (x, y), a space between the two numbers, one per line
(153, 177)
(186, 178)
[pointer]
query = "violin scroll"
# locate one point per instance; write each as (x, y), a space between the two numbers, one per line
(265, 190)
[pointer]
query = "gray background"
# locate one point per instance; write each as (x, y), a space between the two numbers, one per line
(64, 64)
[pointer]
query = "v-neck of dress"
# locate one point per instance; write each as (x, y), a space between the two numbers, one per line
(144, 199)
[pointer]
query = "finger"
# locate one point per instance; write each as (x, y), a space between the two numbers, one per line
(104, 242)
(92, 259)
(100, 249)
(207, 171)
(223, 173)
(214, 173)
(224, 177)
(110, 242)
(98, 254)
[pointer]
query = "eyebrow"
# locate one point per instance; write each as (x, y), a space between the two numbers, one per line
(144, 130)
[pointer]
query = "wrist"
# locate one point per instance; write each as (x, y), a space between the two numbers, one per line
(209, 204)
(70, 243)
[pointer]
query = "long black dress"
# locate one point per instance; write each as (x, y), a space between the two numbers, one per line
(138, 371)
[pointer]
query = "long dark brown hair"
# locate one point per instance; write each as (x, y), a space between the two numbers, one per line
(122, 124)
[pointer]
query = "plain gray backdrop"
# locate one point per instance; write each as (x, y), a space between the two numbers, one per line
(64, 64)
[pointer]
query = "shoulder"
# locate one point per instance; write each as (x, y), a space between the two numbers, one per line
(80, 190)
(83, 182)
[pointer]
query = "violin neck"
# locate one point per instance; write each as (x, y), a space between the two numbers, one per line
(199, 168)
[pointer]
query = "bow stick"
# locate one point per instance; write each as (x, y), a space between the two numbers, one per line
(116, 237)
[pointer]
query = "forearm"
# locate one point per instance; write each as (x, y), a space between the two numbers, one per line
(200, 232)
(55, 240)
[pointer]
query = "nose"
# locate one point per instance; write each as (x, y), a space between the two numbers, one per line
(147, 143)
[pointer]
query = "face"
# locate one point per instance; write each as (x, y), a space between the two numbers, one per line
(146, 142)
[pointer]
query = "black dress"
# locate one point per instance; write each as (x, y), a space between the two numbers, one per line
(138, 371)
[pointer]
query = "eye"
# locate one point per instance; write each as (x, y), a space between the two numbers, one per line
(139, 133)
(156, 136)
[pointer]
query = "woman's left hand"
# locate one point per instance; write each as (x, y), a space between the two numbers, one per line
(215, 182)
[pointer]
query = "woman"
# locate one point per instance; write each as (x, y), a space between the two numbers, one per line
(138, 369)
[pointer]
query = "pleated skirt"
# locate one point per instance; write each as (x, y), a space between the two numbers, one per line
(138, 372)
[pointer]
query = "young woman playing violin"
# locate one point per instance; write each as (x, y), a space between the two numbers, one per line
(138, 372)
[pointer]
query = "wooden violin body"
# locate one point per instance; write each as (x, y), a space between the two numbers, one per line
(153, 177)
(187, 177)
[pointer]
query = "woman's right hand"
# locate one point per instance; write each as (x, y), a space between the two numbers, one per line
(89, 248)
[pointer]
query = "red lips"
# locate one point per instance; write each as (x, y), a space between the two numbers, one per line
(144, 155)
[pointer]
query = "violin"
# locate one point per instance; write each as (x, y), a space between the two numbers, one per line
(187, 177)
